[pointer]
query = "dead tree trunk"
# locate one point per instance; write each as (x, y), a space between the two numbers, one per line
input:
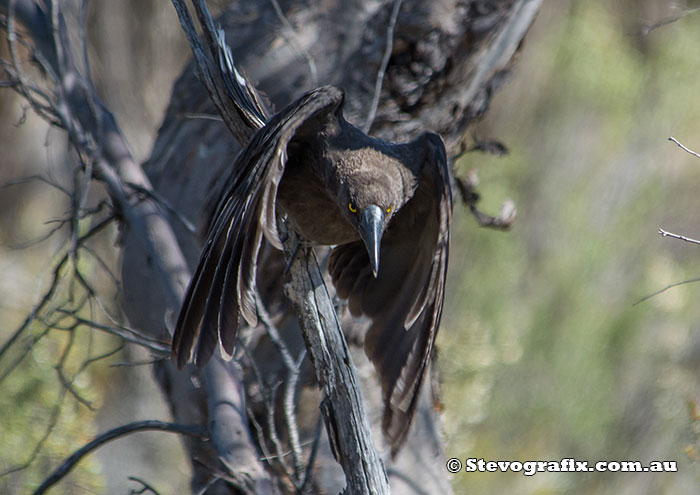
(406, 67)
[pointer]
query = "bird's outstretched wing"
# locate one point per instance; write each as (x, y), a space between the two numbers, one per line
(405, 300)
(224, 281)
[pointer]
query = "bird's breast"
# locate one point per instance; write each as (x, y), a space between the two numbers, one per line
(305, 200)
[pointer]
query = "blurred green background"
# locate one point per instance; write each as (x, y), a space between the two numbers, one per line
(543, 353)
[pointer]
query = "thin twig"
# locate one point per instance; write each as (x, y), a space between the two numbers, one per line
(272, 432)
(108, 436)
(167, 205)
(129, 364)
(102, 264)
(684, 148)
(290, 384)
(670, 286)
(60, 223)
(294, 42)
(37, 178)
(102, 356)
(309, 473)
(645, 30)
(19, 246)
(161, 349)
(260, 434)
(664, 233)
(79, 200)
(145, 487)
(203, 116)
(65, 381)
(53, 420)
(51, 291)
(382, 66)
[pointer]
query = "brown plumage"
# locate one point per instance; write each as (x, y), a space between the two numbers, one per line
(385, 207)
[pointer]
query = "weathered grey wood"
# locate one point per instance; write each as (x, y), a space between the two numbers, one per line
(448, 56)
(228, 428)
(94, 131)
(342, 407)
(437, 45)
(344, 413)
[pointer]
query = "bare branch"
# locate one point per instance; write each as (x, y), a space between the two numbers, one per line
(102, 356)
(145, 487)
(229, 427)
(645, 30)
(467, 190)
(293, 41)
(159, 348)
(100, 440)
(102, 264)
(93, 132)
(382, 66)
(18, 246)
(308, 475)
(343, 407)
(664, 233)
(49, 294)
(203, 116)
(36, 178)
(150, 193)
(290, 384)
(53, 420)
(696, 155)
(670, 286)
(65, 381)
(273, 435)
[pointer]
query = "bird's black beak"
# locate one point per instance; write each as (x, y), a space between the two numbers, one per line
(371, 229)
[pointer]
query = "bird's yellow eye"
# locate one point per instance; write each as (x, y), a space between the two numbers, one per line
(352, 208)
(388, 210)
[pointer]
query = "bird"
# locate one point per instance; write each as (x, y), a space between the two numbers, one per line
(384, 208)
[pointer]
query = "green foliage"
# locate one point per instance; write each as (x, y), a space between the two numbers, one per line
(47, 379)
(543, 352)
(43, 423)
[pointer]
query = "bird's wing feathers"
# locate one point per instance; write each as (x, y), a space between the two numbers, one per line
(224, 280)
(405, 301)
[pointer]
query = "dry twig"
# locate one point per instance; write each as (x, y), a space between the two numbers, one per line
(382, 66)
(664, 233)
(687, 150)
(108, 436)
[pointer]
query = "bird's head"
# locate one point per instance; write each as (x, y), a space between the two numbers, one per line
(369, 203)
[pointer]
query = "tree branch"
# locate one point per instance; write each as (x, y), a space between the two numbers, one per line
(108, 436)
(687, 150)
(342, 408)
(94, 133)
(345, 416)
(646, 29)
(665, 233)
(383, 65)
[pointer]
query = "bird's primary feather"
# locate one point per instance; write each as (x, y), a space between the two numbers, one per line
(320, 169)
